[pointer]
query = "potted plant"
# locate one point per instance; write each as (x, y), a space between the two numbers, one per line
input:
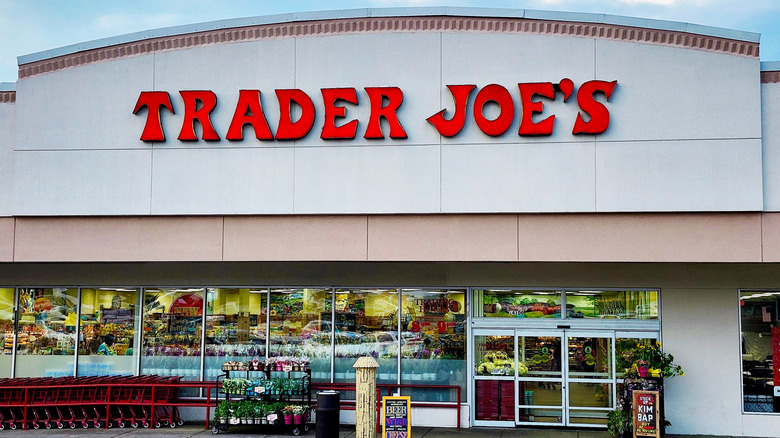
(222, 412)
(644, 365)
(298, 412)
(287, 414)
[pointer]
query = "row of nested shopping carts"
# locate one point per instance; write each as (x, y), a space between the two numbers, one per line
(99, 401)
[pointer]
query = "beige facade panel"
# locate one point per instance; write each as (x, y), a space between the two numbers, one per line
(443, 238)
(770, 237)
(6, 239)
(139, 239)
(295, 238)
(670, 237)
(673, 237)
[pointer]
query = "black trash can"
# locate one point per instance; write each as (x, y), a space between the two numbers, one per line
(328, 414)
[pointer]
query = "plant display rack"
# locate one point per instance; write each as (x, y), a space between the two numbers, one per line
(287, 386)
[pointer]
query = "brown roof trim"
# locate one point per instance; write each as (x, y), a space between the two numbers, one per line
(398, 24)
(770, 77)
(7, 96)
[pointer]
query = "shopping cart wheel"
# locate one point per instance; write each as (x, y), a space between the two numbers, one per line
(48, 425)
(12, 426)
(172, 424)
(121, 424)
(180, 422)
(215, 430)
(156, 424)
(60, 425)
(85, 424)
(296, 431)
(2, 426)
(306, 427)
(72, 424)
(98, 425)
(134, 424)
(145, 424)
(36, 426)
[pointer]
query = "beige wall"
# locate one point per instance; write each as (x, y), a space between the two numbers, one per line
(641, 237)
(700, 327)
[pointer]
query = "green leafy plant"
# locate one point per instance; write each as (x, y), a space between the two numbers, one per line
(635, 358)
(619, 422)
(223, 410)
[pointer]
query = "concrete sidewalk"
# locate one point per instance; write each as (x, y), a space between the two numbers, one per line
(199, 430)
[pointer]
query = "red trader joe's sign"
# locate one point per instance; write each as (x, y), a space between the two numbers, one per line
(646, 414)
(383, 102)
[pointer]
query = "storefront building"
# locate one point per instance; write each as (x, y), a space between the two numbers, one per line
(502, 200)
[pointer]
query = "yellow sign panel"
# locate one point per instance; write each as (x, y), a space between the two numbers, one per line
(396, 417)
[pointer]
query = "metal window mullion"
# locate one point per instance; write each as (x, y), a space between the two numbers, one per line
(399, 314)
(78, 332)
(16, 331)
(267, 322)
(138, 341)
(332, 335)
(203, 334)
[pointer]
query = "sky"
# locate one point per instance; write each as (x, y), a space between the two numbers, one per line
(29, 26)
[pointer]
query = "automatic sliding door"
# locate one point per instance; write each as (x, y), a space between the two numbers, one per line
(494, 382)
(540, 383)
(590, 378)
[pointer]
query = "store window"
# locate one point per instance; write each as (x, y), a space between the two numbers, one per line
(507, 303)
(172, 324)
(46, 338)
(366, 325)
(612, 304)
(7, 323)
(236, 325)
(107, 343)
(433, 341)
(760, 331)
(580, 304)
(300, 328)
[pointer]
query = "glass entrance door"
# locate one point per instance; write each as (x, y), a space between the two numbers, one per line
(590, 378)
(564, 378)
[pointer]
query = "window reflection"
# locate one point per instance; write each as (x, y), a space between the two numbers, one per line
(433, 346)
(47, 327)
(300, 322)
(172, 332)
(236, 323)
(107, 342)
(366, 325)
(760, 330)
(7, 324)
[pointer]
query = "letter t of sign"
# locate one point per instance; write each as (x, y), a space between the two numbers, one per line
(153, 101)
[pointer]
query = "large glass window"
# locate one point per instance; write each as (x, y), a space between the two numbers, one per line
(107, 343)
(366, 325)
(172, 325)
(46, 339)
(236, 324)
(587, 304)
(612, 304)
(760, 331)
(7, 323)
(300, 322)
(433, 347)
(509, 303)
